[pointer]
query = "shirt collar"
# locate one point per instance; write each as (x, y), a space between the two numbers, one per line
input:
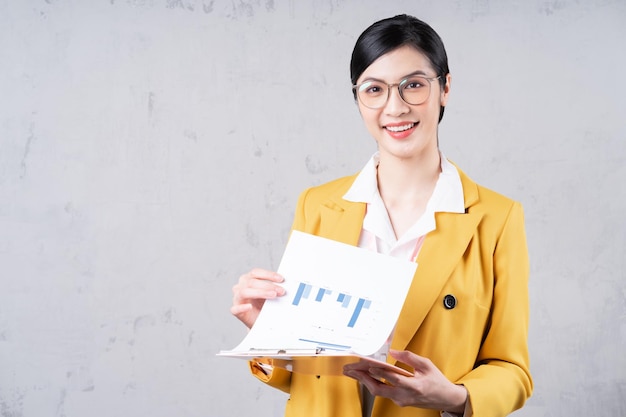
(447, 196)
(364, 189)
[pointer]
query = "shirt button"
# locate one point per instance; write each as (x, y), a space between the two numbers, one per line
(449, 302)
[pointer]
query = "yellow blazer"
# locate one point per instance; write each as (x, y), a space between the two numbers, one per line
(480, 257)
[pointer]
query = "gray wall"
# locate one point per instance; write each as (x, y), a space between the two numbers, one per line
(151, 151)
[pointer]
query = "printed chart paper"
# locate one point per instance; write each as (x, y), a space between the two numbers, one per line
(340, 300)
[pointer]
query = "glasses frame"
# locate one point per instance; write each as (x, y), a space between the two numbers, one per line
(355, 90)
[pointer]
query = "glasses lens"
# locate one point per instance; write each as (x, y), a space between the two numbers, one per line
(415, 90)
(373, 94)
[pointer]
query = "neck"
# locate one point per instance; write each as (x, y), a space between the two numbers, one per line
(405, 186)
(408, 178)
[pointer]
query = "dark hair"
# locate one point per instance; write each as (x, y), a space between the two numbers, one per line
(388, 34)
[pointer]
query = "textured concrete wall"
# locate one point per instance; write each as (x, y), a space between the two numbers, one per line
(153, 150)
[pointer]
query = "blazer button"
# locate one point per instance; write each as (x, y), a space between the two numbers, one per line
(449, 301)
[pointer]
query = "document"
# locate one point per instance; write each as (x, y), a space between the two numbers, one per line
(340, 300)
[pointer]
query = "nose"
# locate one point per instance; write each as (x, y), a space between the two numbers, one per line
(395, 105)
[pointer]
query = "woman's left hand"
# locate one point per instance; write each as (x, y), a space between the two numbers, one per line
(427, 388)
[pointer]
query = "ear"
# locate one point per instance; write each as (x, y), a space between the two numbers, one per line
(446, 90)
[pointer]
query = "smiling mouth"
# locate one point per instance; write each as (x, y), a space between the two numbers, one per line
(400, 128)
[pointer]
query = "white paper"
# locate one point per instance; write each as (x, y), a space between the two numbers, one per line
(339, 300)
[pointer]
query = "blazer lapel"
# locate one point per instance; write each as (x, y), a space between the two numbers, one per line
(441, 251)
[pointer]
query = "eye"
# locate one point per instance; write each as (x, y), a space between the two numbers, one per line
(413, 83)
(371, 88)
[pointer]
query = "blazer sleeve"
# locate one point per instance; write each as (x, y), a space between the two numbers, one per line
(278, 377)
(501, 381)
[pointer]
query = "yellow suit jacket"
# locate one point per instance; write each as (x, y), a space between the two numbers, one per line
(480, 257)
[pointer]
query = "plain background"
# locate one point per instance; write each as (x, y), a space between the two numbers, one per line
(151, 151)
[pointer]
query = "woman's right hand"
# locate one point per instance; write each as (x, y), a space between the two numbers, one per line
(250, 293)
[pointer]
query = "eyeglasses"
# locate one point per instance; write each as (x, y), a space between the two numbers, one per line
(374, 94)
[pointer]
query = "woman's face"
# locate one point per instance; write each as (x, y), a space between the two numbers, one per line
(402, 130)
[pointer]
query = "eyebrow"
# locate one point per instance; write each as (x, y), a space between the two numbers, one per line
(418, 72)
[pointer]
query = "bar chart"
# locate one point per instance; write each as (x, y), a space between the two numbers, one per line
(336, 300)
(345, 300)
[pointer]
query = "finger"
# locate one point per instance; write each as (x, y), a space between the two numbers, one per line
(357, 366)
(373, 385)
(245, 295)
(264, 289)
(384, 375)
(361, 375)
(265, 274)
(351, 367)
(239, 309)
(419, 363)
(262, 282)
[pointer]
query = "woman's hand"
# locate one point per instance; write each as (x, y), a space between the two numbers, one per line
(250, 293)
(427, 388)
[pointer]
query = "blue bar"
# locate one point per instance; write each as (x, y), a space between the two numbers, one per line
(296, 299)
(321, 293)
(346, 301)
(357, 310)
(307, 291)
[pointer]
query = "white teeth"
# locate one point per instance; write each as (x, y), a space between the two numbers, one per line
(400, 128)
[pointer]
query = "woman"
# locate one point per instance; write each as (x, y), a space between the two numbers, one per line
(463, 327)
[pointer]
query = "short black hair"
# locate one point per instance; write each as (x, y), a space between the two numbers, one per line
(388, 34)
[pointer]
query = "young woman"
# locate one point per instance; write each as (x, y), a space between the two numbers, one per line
(463, 327)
